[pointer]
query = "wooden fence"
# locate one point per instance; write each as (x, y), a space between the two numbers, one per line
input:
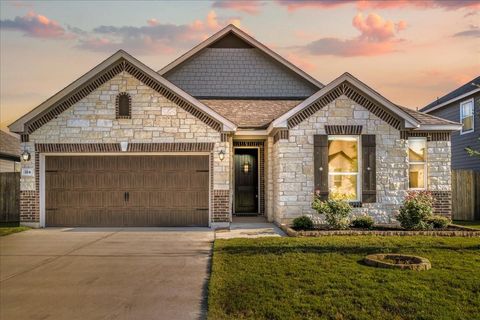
(9, 197)
(465, 195)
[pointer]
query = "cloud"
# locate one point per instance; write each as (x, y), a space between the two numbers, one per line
(377, 36)
(154, 37)
(302, 63)
(293, 5)
(36, 26)
(473, 31)
(250, 7)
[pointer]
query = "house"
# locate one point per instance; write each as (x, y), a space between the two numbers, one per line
(9, 152)
(228, 128)
(461, 105)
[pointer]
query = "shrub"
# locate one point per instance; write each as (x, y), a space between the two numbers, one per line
(439, 222)
(415, 211)
(363, 222)
(302, 223)
(336, 212)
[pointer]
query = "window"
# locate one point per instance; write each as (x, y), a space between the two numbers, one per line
(343, 167)
(466, 116)
(417, 171)
(123, 106)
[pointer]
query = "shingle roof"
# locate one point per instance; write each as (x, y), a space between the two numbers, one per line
(251, 113)
(425, 118)
(467, 87)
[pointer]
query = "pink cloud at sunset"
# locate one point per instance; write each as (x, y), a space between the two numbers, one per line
(293, 5)
(155, 37)
(377, 37)
(36, 26)
(250, 7)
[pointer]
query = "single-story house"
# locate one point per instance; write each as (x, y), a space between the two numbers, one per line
(228, 128)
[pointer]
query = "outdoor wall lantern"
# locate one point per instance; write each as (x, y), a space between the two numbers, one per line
(221, 155)
(246, 167)
(25, 155)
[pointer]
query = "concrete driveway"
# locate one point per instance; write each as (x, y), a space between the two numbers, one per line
(98, 273)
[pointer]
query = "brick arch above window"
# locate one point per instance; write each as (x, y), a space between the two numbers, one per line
(123, 106)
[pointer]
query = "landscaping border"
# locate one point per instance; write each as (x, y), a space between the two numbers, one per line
(466, 232)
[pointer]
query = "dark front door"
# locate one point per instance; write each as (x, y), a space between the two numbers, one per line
(246, 181)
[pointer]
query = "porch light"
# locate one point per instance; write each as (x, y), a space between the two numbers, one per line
(246, 167)
(26, 155)
(221, 155)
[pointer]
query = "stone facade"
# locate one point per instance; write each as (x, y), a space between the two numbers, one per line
(154, 119)
(293, 172)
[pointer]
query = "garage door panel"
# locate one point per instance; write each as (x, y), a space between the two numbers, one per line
(163, 191)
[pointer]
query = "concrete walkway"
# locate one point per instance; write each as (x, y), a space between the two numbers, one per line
(250, 227)
(135, 273)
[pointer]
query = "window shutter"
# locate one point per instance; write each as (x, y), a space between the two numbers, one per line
(369, 174)
(320, 165)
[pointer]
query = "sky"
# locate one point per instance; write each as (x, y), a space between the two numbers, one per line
(410, 51)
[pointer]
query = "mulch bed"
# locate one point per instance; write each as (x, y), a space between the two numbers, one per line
(450, 231)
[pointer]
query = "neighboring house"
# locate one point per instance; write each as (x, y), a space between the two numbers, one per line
(9, 152)
(461, 105)
(229, 128)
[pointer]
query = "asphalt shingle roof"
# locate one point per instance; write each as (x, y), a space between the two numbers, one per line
(251, 113)
(425, 118)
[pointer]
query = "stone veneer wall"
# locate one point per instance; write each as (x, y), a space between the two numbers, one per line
(293, 175)
(154, 119)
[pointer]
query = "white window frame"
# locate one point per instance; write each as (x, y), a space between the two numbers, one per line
(359, 166)
(462, 116)
(424, 162)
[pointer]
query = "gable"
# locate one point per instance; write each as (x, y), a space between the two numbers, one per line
(232, 64)
(353, 94)
(117, 63)
(154, 118)
(238, 73)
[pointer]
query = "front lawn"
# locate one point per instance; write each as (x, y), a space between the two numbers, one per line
(312, 278)
(470, 224)
(5, 231)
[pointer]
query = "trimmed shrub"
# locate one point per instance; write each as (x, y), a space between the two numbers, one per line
(363, 222)
(439, 222)
(336, 212)
(416, 210)
(303, 223)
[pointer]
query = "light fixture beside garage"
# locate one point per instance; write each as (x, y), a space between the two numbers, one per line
(221, 155)
(26, 155)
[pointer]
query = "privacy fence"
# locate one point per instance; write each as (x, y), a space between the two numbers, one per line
(9, 197)
(465, 195)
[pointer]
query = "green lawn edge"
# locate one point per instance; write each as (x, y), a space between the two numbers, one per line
(5, 231)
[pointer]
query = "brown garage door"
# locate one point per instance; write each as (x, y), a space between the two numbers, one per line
(126, 190)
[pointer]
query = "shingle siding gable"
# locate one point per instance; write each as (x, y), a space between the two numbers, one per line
(239, 73)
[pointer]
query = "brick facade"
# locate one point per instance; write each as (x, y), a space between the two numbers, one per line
(29, 206)
(221, 206)
(442, 203)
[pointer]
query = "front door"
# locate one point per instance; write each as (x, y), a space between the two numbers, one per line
(246, 181)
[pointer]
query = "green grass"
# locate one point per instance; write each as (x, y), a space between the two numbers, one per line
(5, 231)
(323, 278)
(470, 224)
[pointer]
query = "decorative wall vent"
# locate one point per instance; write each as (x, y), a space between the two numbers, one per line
(123, 106)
